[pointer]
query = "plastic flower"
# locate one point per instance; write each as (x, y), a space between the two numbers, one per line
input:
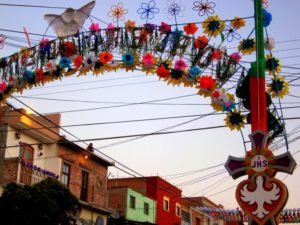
(278, 88)
(94, 27)
(201, 42)
(237, 23)
(162, 71)
(272, 65)
(267, 18)
(204, 7)
(180, 64)
(3, 86)
(129, 25)
(164, 28)
(148, 59)
(128, 59)
(235, 120)
(148, 10)
(117, 12)
(64, 62)
(235, 57)
(247, 46)
(213, 26)
(190, 28)
(77, 61)
(105, 57)
(174, 9)
(269, 43)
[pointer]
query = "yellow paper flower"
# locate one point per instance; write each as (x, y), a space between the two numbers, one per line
(272, 65)
(278, 88)
(213, 26)
(247, 46)
(235, 120)
(237, 23)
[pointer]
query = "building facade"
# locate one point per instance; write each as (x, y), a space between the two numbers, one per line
(35, 150)
(166, 195)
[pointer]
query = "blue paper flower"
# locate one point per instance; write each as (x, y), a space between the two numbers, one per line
(65, 62)
(29, 76)
(229, 106)
(267, 18)
(194, 72)
(128, 59)
(148, 10)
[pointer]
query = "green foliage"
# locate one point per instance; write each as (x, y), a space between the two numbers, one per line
(48, 202)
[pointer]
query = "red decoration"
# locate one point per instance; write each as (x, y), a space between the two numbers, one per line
(206, 82)
(105, 57)
(162, 71)
(201, 42)
(78, 61)
(190, 28)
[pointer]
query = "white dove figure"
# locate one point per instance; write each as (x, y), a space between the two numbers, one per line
(70, 20)
(260, 196)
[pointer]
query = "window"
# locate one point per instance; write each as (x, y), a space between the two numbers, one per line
(166, 204)
(132, 202)
(198, 221)
(84, 185)
(178, 209)
(146, 208)
(65, 178)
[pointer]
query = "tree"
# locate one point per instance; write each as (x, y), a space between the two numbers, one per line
(48, 202)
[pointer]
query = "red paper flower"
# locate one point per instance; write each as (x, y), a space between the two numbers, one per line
(216, 55)
(190, 28)
(162, 71)
(78, 61)
(206, 82)
(201, 42)
(164, 28)
(40, 74)
(105, 57)
(67, 49)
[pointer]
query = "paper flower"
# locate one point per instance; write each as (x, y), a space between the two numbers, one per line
(129, 25)
(229, 103)
(117, 12)
(267, 18)
(204, 7)
(235, 56)
(216, 55)
(149, 27)
(174, 9)
(148, 59)
(94, 27)
(65, 62)
(164, 28)
(213, 26)
(180, 64)
(3, 86)
(29, 76)
(105, 57)
(237, 23)
(128, 59)
(40, 74)
(67, 49)
(194, 72)
(201, 42)
(190, 28)
(278, 88)
(51, 66)
(77, 61)
(269, 43)
(176, 74)
(235, 120)
(247, 46)
(206, 85)
(162, 71)
(272, 65)
(148, 10)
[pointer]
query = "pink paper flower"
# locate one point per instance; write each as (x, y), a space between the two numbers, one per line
(3, 86)
(180, 64)
(95, 27)
(235, 56)
(148, 59)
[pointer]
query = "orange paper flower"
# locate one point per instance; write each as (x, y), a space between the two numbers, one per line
(201, 42)
(190, 28)
(105, 57)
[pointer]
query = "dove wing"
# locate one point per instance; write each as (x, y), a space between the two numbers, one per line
(83, 13)
(248, 196)
(272, 195)
(56, 22)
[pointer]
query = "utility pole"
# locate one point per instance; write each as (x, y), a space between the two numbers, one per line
(3, 139)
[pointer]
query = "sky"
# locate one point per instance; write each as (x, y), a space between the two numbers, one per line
(193, 161)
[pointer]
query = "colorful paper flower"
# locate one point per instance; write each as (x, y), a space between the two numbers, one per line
(190, 28)
(28, 76)
(162, 71)
(237, 23)
(278, 88)
(148, 10)
(77, 61)
(213, 26)
(128, 59)
(3, 86)
(206, 85)
(117, 12)
(216, 55)
(94, 27)
(105, 57)
(65, 62)
(228, 103)
(148, 59)
(272, 65)
(235, 120)
(204, 7)
(267, 18)
(129, 25)
(194, 72)
(247, 46)
(235, 56)
(269, 43)
(180, 64)
(164, 28)
(201, 42)
(149, 27)
(40, 74)
(67, 49)
(174, 9)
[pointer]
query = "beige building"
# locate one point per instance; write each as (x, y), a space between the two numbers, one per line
(34, 150)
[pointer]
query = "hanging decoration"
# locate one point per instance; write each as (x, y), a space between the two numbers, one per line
(148, 10)
(278, 88)
(204, 7)
(117, 12)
